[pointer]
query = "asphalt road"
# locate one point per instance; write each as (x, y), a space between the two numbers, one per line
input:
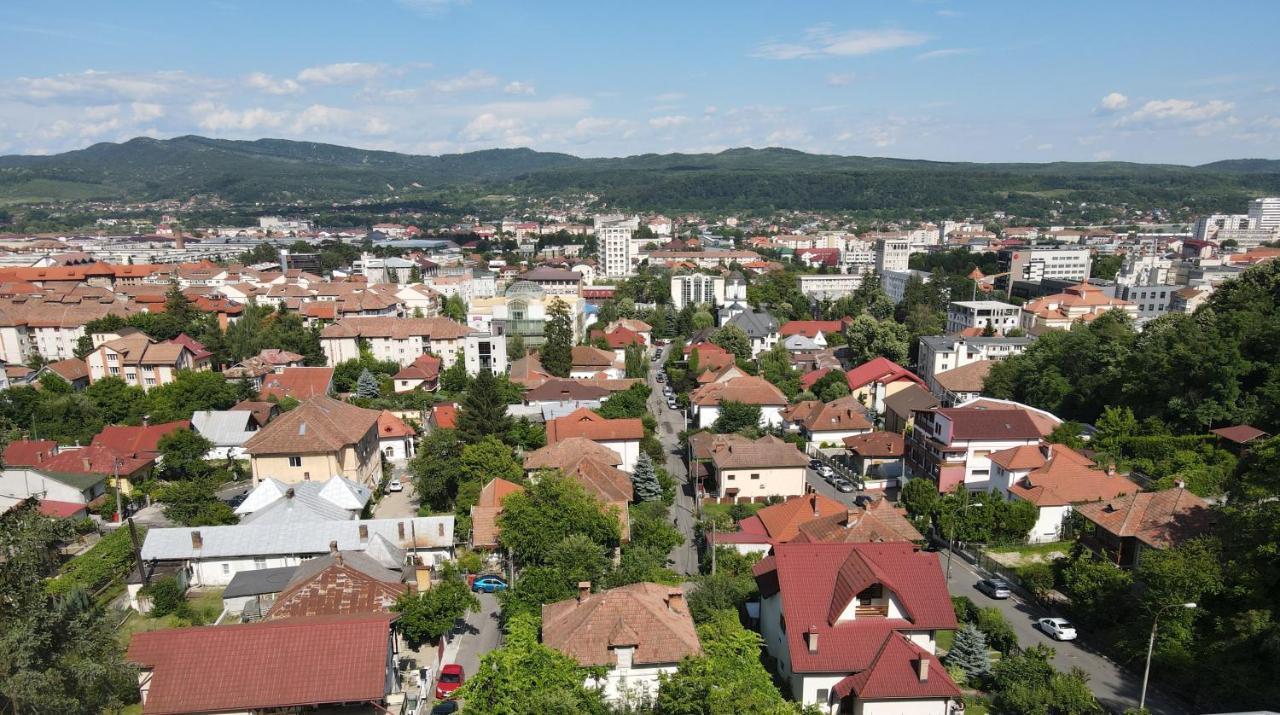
(480, 635)
(395, 505)
(1114, 687)
(684, 558)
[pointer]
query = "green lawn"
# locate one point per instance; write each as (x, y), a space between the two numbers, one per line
(945, 639)
(723, 509)
(1032, 549)
(205, 608)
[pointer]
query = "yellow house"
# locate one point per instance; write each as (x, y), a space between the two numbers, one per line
(319, 439)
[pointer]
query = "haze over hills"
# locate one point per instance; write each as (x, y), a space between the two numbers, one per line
(282, 170)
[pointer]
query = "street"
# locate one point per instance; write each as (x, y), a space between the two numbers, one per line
(671, 423)
(1115, 688)
(480, 635)
(395, 505)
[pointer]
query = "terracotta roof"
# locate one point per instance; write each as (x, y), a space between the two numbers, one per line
(198, 350)
(1044, 421)
(565, 452)
(810, 328)
(300, 383)
(966, 378)
(484, 515)
(653, 618)
(61, 509)
(605, 482)
(258, 666)
(586, 356)
(394, 327)
(138, 349)
(880, 370)
(262, 411)
(445, 416)
(585, 423)
(143, 440)
(782, 521)
(968, 423)
(1063, 477)
(97, 460)
(1240, 434)
(750, 390)
(879, 521)
(809, 379)
(893, 675)
(424, 367)
(819, 580)
(619, 337)
(738, 452)
(711, 356)
(28, 452)
(391, 426)
(1158, 519)
(1024, 456)
(876, 444)
(345, 583)
(320, 424)
(562, 390)
(71, 369)
(839, 415)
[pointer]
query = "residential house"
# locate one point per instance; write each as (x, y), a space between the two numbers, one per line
(262, 412)
(28, 452)
(74, 370)
(318, 440)
(879, 521)
(637, 633)
(939, 353)
(705, 401)
(900, 407)
(104, 463)
(962, 384)
(618, 340)
(853, 626)
(827, 423)
(275, 501)
(1121, 529)
(60, 494)
(953, 445)
(976, 316)
(300, 383)
(879, 457)
(620, 435)
(558, 391)
(743, 469)
(819, 331)
(395, 438)
(875, 380)
(227, 429)
(778, 523)
(403, 340)
(589, 362)
(340, 583)
(325, 662)
(484, 515)
(1240, 438)
(421, 374)
(592, 465)
(141, 361)
(214, 554)
(761, 328)
(1046, 422)
(1054, 478)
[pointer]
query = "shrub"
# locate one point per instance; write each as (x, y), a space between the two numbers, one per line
(1037, 578)
(999, 633)
(966, 610)
(167, 598)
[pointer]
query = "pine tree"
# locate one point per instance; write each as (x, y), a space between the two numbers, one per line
(367, 385)
(644, 480)
(557, 349)
(483, 411)
(969, 652)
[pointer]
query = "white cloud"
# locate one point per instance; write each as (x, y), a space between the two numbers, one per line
(475, 79)
(1043, 147)
(264, 82)
(840, 79)
(711, 109)
(430, 7)
(1177, 111)
(219, 119)
(341, 73)
(588, 129)
(493, 129)
(948, 13)
(822, 41)
(94, 87)
(146, 111)
(1114, 102)
(519, 88)
(668, 121)
(948, 52)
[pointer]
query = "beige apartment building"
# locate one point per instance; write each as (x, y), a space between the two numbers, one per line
(320, 439)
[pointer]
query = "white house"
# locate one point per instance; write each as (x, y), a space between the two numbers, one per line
(705, 401)
(954, 445)
(275, 501)
(620, 435)
(227, 429)
(766, 467)
(979, 314)
(395, 438)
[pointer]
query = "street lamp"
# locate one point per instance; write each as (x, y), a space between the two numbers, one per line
(951, 534)
(1151, 646)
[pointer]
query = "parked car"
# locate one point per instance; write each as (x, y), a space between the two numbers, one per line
(863, 500)
(445, 707)
(672, 405)
(661, 378)
(815, 464)
(1059, 629)
(826, 471)
(451, 678)
(488, 584)
(994, 587)
(395, 486)
(842, 485)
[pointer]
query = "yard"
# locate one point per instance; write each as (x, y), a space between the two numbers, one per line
(205, 608)
(1015, 556)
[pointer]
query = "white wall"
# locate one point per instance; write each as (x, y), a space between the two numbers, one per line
(628, 449)
(636, 684)
(785, 482)
(1048, 524)
(903, 707)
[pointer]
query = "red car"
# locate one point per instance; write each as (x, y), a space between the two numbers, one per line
(451, 678)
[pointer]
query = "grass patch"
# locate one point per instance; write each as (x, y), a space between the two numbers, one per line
(945, 639)
(725, 511)
(1033, 549)
(205, 609)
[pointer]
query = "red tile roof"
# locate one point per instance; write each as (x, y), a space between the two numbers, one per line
(61, 509)
(619, 337)
(893, 675)
(96, 459)
(653, 618)
(582, 422)
(810, 328)
(819, 580)
(809, 379)
(878, 521)
(750, 390)
(257, 666)
(782, 521)
(876, 444)
(391, 426)
(880, 370)
(1159, 519)
(142, 441)
(1240, 434)
(28, 452)
(300, 383)
(484, 515)
(445, 416)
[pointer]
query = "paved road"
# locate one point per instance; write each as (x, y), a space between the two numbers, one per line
(1115, 687)
(480, 635)
(684, 558)
(395, 505)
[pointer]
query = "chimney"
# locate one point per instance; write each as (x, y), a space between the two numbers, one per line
(814, 499)
(337, 558)
(333, 547)
(85, 461)
(288, 493)
(1111, 470)
(197, 541)
(1179, 484)
(922, 668)
(364, 533)
(675, 600)
(850, 517)
(584, 590)
(812, 634)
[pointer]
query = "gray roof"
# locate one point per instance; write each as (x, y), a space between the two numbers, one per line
(912, 397)
(259, 581)
(948, 342)
(333, 499)
(225, 428)
(355, 559)
(298, 538)
(756, 324)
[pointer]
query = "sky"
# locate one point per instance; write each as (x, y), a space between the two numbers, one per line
(1176, 81)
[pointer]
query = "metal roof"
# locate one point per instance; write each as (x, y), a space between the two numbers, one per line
(309, 537)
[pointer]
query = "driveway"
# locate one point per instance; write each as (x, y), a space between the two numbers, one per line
(684, 558)
(1114, 687)
(397, 505)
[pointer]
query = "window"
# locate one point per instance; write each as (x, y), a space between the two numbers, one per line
(295, 461)
(755, 476)
(259, 563)
(823, 696)
(226, 569)
(114, 370)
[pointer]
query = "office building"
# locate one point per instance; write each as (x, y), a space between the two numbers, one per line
(892, 254)
(1265, 213)
(696, 289)
(1035, 263)
(978, 314)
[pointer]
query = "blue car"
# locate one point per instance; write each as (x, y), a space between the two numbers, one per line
(488, 584)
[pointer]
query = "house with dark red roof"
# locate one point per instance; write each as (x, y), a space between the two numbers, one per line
(878, 379)
(620, 435)
(395, 437)
(421, 374)
(300, 383)
(953, 445)
(853, 626)
(1121, 529)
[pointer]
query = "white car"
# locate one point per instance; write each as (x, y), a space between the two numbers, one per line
(1059, 629)
(395, 486)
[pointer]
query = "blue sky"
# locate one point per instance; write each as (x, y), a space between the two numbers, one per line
(1172, 81)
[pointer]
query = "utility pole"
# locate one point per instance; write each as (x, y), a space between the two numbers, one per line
(137, 553)
(713, 546)
(1151, 646)
(115, 467)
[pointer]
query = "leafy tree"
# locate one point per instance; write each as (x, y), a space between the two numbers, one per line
(869, 338)
(1028, 683)
(920, 497)
(480, 462)
(969, 653)
(191, 391)
(636, 364)
(427, 615)
(454, 379)
(996, 630)
(166, 597)
(734, 340)
(515, 347)
(483, 412)
(557, 348)
(193, 502)
(644, 480)
(554, 507)
(367, 385)
(455, 309)
(701, 319)
(736, 416)
(831, 386)
(1098, 590)
(727, 679)
(63, 417)
(775, 366)
(524, 676)
(632, 402)
(182, 455)
(577, 558)
(537, 586)
(436, 467)
(117, 401)
(53, 384)
(1068, 434)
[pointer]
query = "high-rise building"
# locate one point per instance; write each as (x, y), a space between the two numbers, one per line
(1035, 263)
(1265, 213)
(613, 244)
(892, 254)
(696, 289)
